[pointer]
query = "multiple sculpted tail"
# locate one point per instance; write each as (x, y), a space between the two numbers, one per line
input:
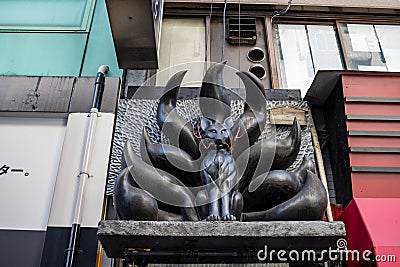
(252, 121)
(144, 192)
(309, 204)
(132, 203)
(287, 149)
(268, 155)
(172, 160)
(178, 130)
(162, 186)
(214, 99)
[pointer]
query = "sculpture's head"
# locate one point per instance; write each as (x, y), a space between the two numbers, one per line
(218, 133)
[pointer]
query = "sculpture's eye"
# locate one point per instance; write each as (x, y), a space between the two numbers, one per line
(213, 131)
(223, 130)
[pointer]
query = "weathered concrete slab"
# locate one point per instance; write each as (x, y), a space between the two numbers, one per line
(81, 99)
(54, 95)
(232, 238)
(35, 94)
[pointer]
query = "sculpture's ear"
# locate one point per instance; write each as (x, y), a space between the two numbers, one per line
(205, 123)
(228, 122)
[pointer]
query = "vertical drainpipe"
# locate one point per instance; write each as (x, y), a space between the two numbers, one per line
(73, 248)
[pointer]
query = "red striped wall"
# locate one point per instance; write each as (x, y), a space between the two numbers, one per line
(371, 86)
(375, 95)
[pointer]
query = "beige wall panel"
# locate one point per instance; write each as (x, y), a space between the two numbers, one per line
(390, 4)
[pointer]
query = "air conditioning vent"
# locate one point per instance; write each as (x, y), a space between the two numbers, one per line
(243, 32)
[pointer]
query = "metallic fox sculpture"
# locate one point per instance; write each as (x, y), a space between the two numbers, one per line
(217, 169)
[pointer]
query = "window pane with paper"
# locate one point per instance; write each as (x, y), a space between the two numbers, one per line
(372, 47)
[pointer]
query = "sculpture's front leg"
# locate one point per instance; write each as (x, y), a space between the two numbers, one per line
(231, 201)
(215, 214)
(226, 203)
(213, 194)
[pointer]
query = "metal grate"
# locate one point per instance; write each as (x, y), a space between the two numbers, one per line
(242, 31)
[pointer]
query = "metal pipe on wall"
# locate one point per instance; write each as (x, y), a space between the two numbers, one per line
(73, 247)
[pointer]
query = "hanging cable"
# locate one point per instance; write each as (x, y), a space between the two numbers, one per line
(239, 42)
(209, 28)
(224, 26)
(240, 26)
(281, 12)
(208, 37)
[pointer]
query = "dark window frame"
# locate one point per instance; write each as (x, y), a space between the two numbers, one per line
(319, 19)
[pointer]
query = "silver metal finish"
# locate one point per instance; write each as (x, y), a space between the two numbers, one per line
(258, 70)
(256, 55)
(375, 169)
(136, 29)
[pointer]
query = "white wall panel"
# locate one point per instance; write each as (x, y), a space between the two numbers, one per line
(30, 150)
(62, 209)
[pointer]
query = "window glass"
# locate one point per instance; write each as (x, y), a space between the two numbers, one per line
(182, 44)
(389, 39)
(303, 50)
(372, 47)
(45, 14)
(324, 47)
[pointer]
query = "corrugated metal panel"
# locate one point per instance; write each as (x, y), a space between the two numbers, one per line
(380, 109)
(384, 86)
(372, 125)
(374, 141)
(374, 159)
(365, 185)
(373, 134)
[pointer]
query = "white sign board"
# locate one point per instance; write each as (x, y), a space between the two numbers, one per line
(29, 159)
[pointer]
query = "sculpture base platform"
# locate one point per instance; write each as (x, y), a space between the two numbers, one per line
(218, 242)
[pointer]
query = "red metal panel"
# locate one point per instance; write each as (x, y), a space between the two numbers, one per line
(382, 219)
(373, 125)
(373, 224)
(372, 109)
(357, 234)
(380, 185)
(389, 256)
(374, 141)
(372, 218)
(375, 159)
(371, 86)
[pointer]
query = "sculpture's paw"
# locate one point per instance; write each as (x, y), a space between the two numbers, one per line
(213, 217)
(229, 217)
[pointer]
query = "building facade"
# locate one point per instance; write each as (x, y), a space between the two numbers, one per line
(45, 43)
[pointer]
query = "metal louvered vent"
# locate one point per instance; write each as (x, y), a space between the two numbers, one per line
(243, 32)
